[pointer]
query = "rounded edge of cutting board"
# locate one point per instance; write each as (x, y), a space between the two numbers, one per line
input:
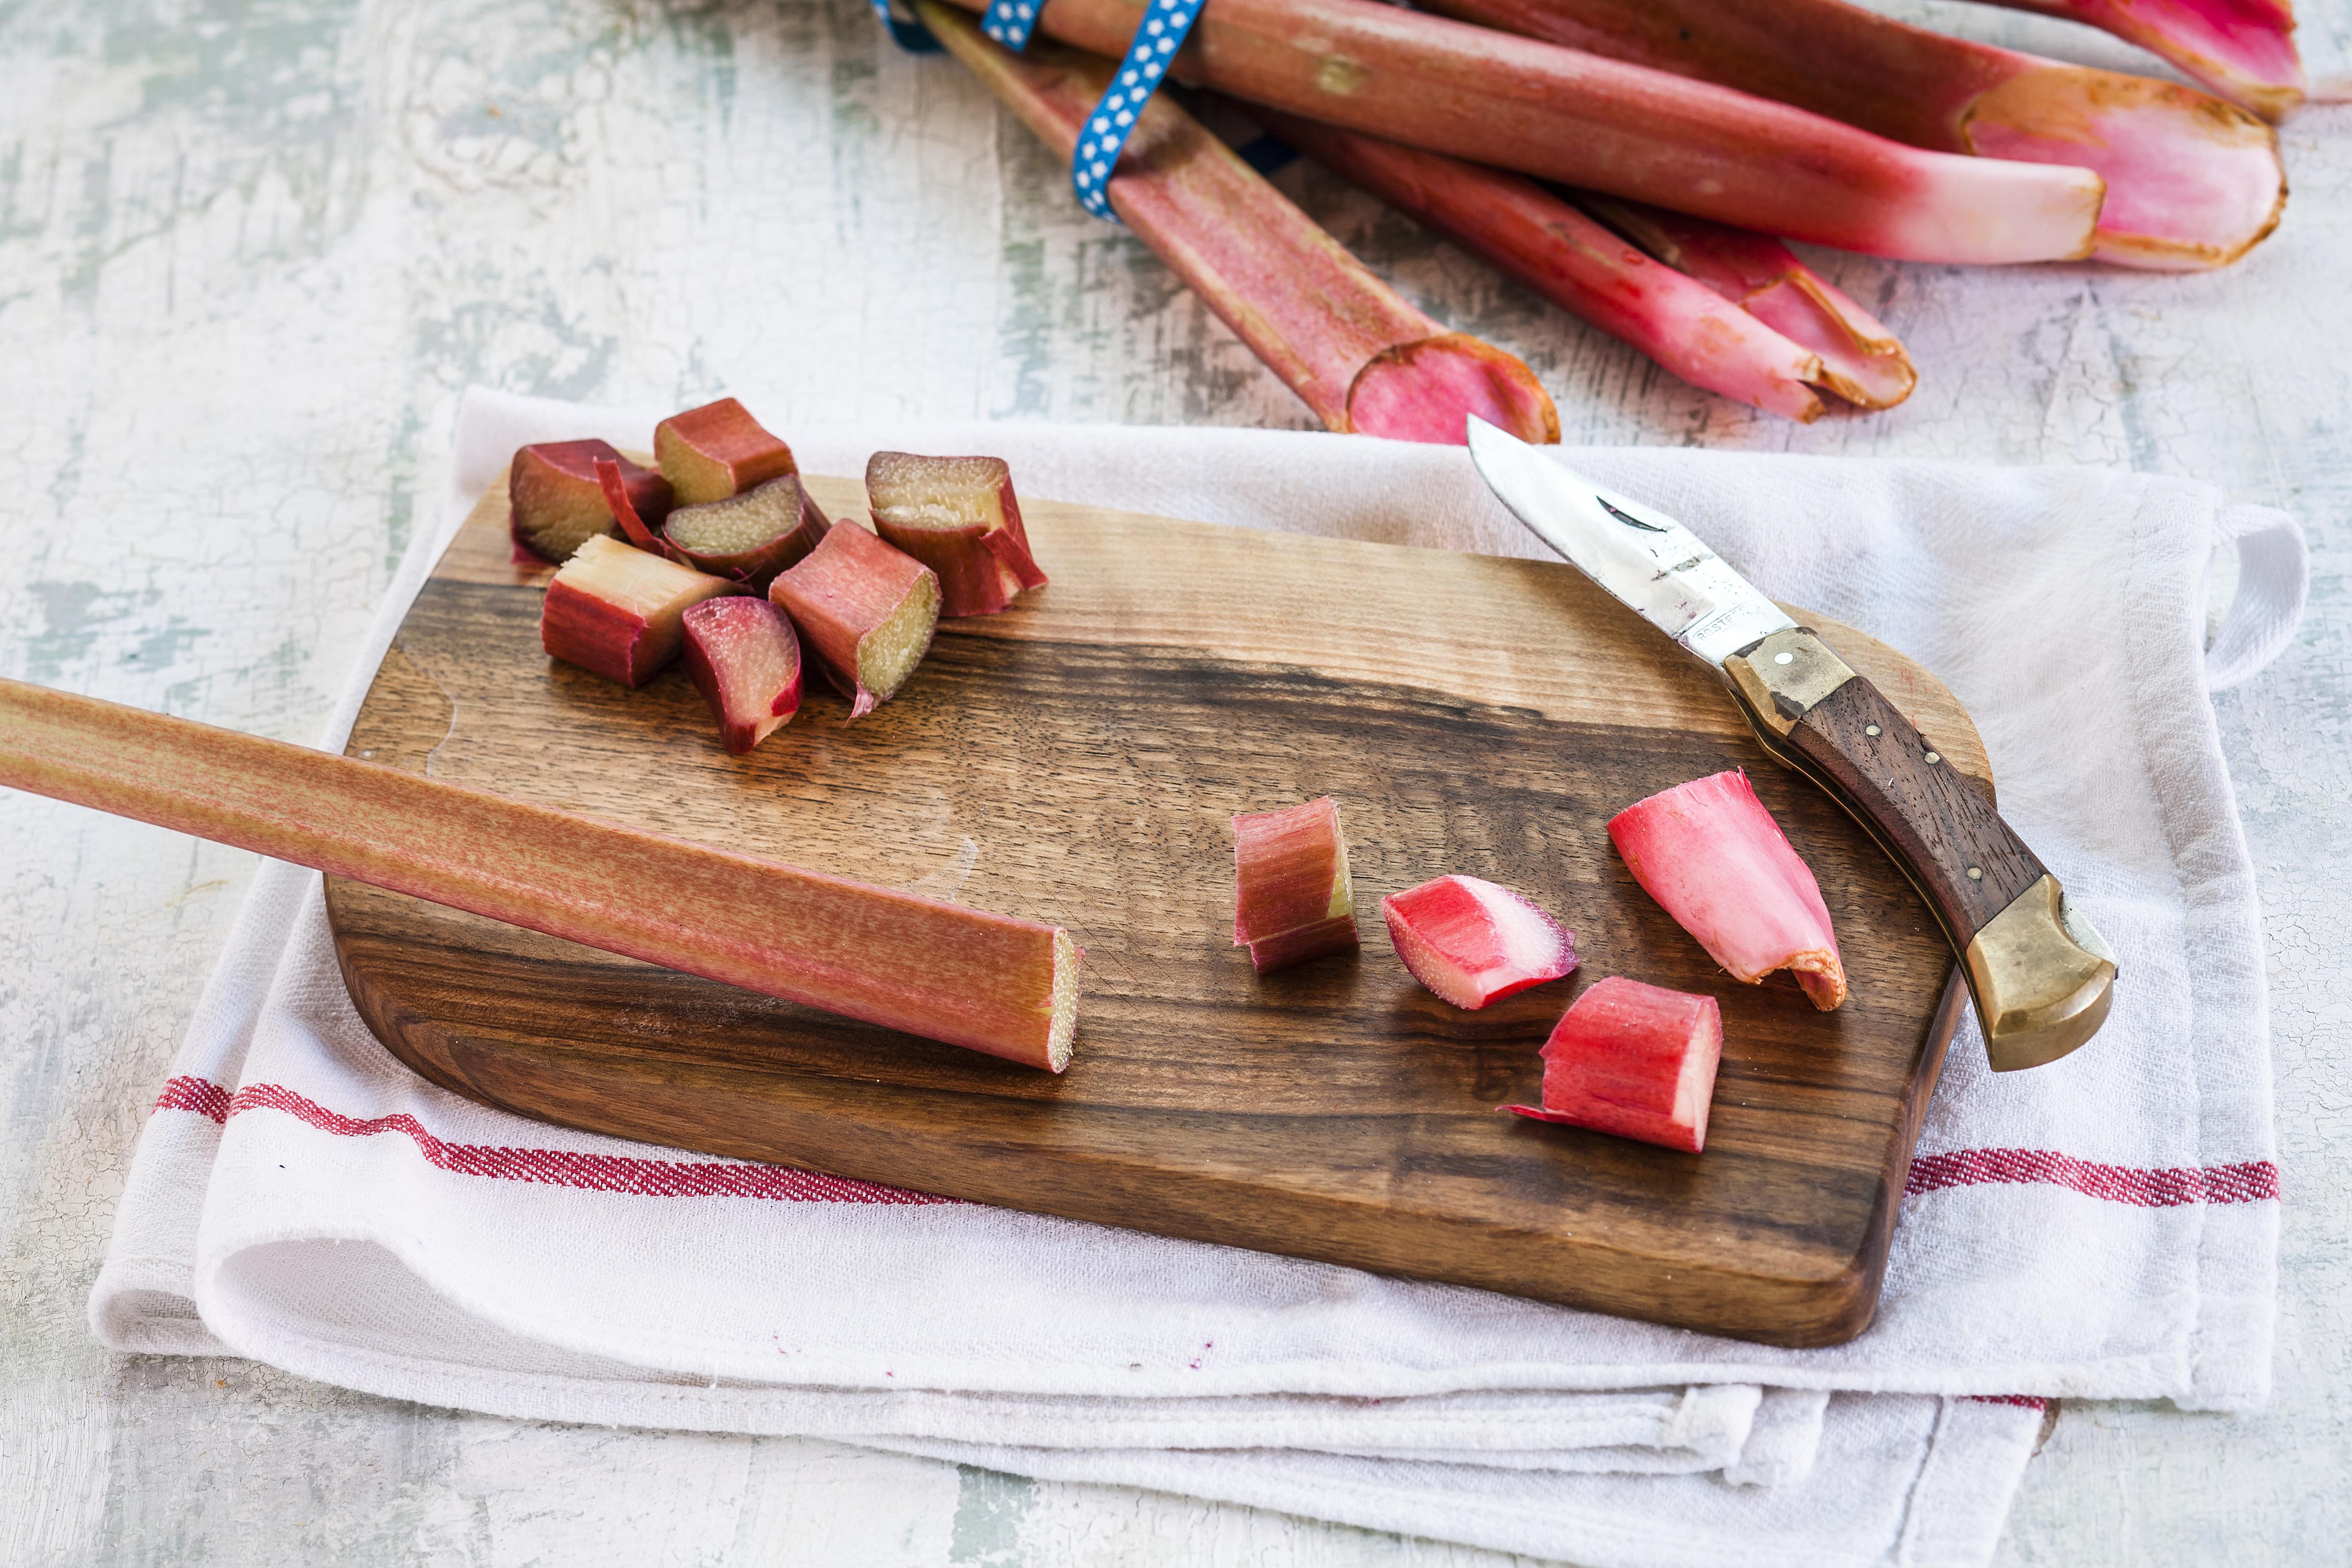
(555, 1082)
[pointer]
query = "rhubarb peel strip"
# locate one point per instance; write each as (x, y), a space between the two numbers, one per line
(1356, 353)
(2191, 182)
(558, 500)
(1715, 860)
(989, 982)
(1684, 324)
(1634, 1060)
(1626, 128)
(1293, 898)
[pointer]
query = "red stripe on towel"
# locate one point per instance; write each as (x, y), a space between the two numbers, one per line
(2022, 1401)
(201, 1095)
(2255, 1181)
(554, 1167)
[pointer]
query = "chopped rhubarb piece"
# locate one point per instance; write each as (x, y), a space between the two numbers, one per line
(716, 451)
(748, 538)
(958, 516)
(1564, 114)
(1292, 897)
(1862, 361)
(1472, 942)
(2191, 182)
(617, 610)
(1358, 353)
(746, 662)
(1633, 1060)
(867, 610)
(1714, 858)
(559, 502)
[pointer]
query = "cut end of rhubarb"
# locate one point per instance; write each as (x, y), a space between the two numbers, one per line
(1472, 942)
(751, 536)
(619, 611)
(560, 503)
(1635, 1061)
(2243, 50)
(866, 610)
(2192, 182)
(719, 450)
(1062, 1032)
(958, 516)
(1715, 860)
(1292, 897)
(1426, 392)
(745, 661)
(1860, 360)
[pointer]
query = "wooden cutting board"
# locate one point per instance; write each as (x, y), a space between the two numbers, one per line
(1075, 761)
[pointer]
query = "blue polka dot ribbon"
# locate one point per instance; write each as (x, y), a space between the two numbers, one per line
(1010, 22)
(1113, 121)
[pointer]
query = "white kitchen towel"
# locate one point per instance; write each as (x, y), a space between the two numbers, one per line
(2104, 1226)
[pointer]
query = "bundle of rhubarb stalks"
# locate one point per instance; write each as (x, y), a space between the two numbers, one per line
(1639, 162)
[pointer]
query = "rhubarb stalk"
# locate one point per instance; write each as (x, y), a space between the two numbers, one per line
(1472, 942)
(1862, 361)
(1714, 858)
(867, 610)
(618, 612)
(1608, 125)
(1526, 230)
(1293, 900)
(2243, 50)
(2191, 182)
(989, 982)
(1633, 1060)
(559, 500)
(958, 516)
(1362, 358)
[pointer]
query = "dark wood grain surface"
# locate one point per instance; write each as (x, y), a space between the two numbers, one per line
(1076, 760)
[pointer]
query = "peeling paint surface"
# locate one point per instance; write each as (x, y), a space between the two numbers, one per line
(252, 250)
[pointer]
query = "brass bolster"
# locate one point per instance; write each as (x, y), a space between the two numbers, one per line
(2042, 979)
(1785, 674)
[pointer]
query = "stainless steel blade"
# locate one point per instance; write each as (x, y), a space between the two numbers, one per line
(1650, 563)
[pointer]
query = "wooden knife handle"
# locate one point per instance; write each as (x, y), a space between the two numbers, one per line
(2042, 978)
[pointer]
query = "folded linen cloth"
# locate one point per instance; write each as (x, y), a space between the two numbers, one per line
(2104, 1227)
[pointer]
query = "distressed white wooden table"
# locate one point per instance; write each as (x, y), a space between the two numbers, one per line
(249, 253)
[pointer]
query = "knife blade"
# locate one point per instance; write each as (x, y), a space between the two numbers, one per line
(2042, 978)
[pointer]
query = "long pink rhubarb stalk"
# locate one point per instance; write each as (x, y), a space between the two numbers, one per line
(2243, 50)
(991, 982)
(1348, 345)
(1651, 135)
(1862, 361)
(1714, 858)
(1573, 261)
(2191, 182)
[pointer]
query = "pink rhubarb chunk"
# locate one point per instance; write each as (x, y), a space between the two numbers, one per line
(1473, 943)
(1293, 900)
(1633, 1060)
(1714, 858)
(746, 661)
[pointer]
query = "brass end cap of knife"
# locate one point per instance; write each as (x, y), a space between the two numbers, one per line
(2042, 977)
(1785, 674)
